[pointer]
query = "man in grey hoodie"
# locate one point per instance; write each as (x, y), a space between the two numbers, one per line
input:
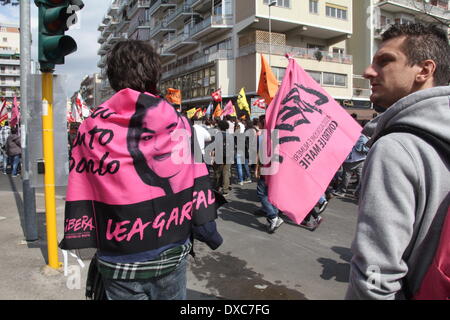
(406, 180)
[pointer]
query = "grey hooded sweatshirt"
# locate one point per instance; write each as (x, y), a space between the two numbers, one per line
(405, 194)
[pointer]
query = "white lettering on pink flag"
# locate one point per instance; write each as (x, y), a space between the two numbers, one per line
(315, 135)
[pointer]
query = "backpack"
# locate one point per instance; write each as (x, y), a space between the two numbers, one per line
(436, 282)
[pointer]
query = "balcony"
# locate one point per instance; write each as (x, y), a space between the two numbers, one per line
(102, 62)
(14, 62)
(10, 84)
(296, 52)
(114, 8)
(181, 41)
(433, 9)
(210, 25)
(11, 73)
(106, 19)
(141, 4)
(218, 55)
(163, 50)
(180, 13)
(161, 4)
(161, 26)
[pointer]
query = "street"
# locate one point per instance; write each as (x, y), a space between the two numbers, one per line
(292, 263)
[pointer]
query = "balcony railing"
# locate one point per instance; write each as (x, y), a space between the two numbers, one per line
(183, 38)
(218, 55)
(159, 26)
(160, 4)
(184, 9)
(438, 10)
(296, 52)
(212, 21)
(139, 5)
(10, 73)
(10, 61)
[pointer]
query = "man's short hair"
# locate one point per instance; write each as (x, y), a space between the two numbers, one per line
(134, 64)
(424, 42)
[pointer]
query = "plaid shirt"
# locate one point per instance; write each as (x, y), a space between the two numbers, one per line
(165, 263)
(4, 134)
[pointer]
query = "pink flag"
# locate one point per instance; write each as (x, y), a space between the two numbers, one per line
(15, 113)
(315, 136)
(229, 109)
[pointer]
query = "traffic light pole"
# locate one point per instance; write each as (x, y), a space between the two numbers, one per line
(49, 161)
(29, 198)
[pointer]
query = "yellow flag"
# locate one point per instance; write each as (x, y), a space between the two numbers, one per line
(268, 83)
(190, 113)
(243, 103)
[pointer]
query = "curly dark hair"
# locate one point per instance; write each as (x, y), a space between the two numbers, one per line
(134, 64)
(424, 42)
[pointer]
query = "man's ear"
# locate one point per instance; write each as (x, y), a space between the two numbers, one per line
(426, 72)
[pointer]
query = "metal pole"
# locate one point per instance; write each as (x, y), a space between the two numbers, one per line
(29, 200)
(49, 161)
(270, 33)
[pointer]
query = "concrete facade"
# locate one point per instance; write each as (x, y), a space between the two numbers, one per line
(9, 61)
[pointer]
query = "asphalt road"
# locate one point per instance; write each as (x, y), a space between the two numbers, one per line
(292, 263)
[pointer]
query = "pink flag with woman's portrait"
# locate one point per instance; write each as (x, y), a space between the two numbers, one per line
(315, 135)
(133, 185)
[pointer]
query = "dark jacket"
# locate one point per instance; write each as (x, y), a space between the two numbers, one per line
(13, 147)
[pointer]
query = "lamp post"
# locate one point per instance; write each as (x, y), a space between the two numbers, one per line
(271, 3)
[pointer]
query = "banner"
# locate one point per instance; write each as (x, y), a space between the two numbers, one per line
(260, 103)
(173, 95)
(15, 113)
(268, 83)
(315, 135)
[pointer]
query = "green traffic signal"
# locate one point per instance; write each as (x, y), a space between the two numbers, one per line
(55, 17)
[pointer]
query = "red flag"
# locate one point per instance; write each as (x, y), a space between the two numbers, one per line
(315, 135)
(260, 103)
(15, 113)
(3, 111)
(217, 95)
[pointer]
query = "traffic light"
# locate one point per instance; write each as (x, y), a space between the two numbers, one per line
(55, 17)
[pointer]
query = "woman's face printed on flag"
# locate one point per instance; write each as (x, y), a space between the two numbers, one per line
(156, 143)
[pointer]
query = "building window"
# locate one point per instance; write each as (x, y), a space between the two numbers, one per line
(5, 39)
(316, 75)
(314, 6)
(279, 73)
(334, 79)
(280, 3)
(335, 11)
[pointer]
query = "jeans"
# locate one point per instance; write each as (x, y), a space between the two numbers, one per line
(168, 287)
(239, 165)
(262, 193)
(349, 168)
(15, 161)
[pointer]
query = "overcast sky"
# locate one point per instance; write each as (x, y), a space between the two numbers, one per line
(84, 61)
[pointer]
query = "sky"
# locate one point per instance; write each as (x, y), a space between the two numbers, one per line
(82, 62)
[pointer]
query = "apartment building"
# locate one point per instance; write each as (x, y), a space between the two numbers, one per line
(9, 62)
(210, 44)
(90, 90)
(372, 17)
